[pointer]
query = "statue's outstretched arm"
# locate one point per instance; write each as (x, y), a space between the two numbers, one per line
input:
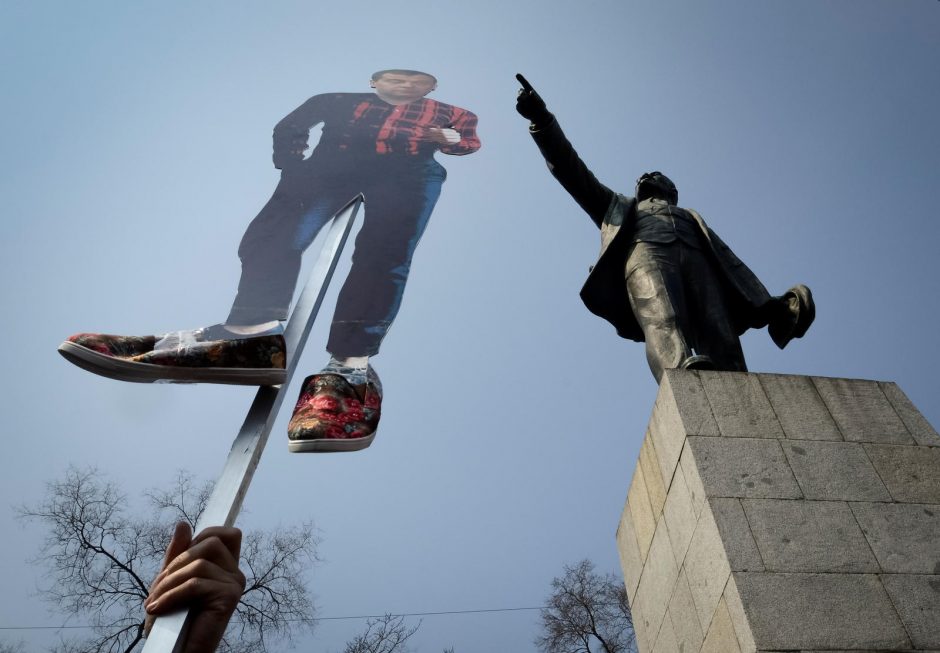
(562, 159)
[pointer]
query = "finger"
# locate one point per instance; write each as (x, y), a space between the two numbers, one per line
(525, 83)
(195, 591)
(193, 574)
(211, 549)
(230, 536)
(182, 538)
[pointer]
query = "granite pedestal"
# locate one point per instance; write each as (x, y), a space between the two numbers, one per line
(783, 513)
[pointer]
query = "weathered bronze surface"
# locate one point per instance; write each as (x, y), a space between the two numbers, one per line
(663, 276)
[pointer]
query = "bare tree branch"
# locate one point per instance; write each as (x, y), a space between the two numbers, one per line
(584, 608)
(98, 563)
(386, 634)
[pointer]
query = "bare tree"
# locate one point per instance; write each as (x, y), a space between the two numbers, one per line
(586, 608)
(10, 647)
(100, 556)
(386, 634)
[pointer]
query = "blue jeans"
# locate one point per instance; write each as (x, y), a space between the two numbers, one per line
(400, 194)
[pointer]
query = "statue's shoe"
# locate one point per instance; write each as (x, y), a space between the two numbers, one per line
(799, 313)
(208, 355)
(697, 362)
(333, 415)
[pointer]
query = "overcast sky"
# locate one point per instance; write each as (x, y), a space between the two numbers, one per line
(137, 147)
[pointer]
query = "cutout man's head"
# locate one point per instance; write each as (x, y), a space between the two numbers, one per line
(400, 86)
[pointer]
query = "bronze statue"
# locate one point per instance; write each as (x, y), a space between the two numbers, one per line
(663, 276)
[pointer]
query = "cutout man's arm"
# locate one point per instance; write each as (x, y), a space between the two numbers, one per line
(292, 133)
(560, 156)
(465, 126)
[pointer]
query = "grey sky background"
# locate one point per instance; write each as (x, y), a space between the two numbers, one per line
(137, 147)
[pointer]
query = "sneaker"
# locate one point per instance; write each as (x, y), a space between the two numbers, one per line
(209, 355)
(333, 415)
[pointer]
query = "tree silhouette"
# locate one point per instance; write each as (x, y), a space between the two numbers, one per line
(100, 556)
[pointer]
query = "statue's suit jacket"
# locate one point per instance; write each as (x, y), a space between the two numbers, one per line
(604, 292)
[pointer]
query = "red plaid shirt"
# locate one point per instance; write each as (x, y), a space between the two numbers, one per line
(361, 123)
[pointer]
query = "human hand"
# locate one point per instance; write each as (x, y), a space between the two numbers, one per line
(445, 136)
(201, 574)
(530, 104)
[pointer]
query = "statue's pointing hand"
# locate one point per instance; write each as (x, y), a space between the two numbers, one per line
(530, 105)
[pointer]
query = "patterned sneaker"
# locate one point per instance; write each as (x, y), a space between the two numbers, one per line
(332, 415)
(209, 355)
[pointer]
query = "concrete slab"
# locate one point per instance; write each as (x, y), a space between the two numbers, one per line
(629, 552)
(808, 536)
(912, 474)
(905, 537)
(706, 567)
(916, 424)
(862, 411)
(740, 406)
(743, 467)
(835, 471)
(655, 590)
(917, 599)
(799, 408)
(819, 611)
(740, 547)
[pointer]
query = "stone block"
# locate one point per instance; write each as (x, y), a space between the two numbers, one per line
(912, 474)
(680, 518)
(834, 471)
(666, 435)
(644, 522)
(743, 467)
(740, 547)
(905, 537)
(916, 424)
(681, 409)
(656, 585)
(917, 599)
(693, 480)
(819, 611)
(720, 637)
(629, 552)
(742, 629)
(666, 639)
(799, 408)
(652, 474)
(685, 622)
(706, 567)
(862, 411)
(740, 406)
(691, 404)
(808, 536)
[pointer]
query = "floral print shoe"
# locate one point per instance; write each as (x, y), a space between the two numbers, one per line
(200, 356)
(333, 415)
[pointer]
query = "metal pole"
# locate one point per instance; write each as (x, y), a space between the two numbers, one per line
(230, 488)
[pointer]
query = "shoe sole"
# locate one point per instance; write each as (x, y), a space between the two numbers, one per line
(329, 445)
(123, 370)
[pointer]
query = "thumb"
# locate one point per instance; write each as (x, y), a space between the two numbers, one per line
(182, 538)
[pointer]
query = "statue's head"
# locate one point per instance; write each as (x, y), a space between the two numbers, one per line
(656, 185)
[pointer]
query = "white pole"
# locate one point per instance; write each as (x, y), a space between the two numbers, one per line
(230, 488)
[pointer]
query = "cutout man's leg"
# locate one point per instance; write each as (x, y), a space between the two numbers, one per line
(397, 210)
(272, 248)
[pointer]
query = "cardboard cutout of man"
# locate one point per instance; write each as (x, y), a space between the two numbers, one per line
(663, 276)
(379, 144)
